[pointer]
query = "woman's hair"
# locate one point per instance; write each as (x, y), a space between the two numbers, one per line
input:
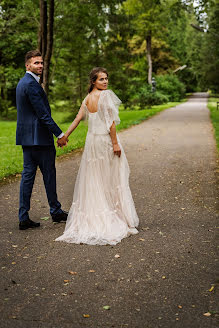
(93, 76)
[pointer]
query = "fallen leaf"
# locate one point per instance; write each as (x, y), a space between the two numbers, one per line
(117, 256)
(91, 271)
(207, 314)
(14, 246)
(180, 306)
(211, 289)
(13, 262)
(163, 277)
(86, 315)
(66, 280)
(106, 307)
(45, 218)
(141, 239)
(72, 272)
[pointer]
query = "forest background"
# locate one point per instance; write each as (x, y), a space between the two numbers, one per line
(171, 43)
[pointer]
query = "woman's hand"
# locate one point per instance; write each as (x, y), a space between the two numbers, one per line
(117, 149)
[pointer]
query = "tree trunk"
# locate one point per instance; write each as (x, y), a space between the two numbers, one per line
(148, 52)
(42, 35)
(45, 38)
(49, 47)
(79, 74)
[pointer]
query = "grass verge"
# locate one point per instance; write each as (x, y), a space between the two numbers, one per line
(11, 161)
(214, 114)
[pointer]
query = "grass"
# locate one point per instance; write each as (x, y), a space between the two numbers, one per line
(11, 155)
(214, 113)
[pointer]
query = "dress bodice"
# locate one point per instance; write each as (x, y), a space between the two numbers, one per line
(95, 124)
(107, 112)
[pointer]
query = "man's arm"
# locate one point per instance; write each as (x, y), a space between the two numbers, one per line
(40, 109)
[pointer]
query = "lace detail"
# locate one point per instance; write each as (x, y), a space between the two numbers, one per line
(109, 108)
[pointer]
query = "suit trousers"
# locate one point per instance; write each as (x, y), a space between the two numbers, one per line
(44, 158)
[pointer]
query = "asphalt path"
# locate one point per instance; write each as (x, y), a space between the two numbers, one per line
(165, 276)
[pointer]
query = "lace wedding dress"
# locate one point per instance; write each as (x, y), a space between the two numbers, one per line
(103, 210)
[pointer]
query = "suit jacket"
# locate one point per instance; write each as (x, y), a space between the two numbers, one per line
(35, 126)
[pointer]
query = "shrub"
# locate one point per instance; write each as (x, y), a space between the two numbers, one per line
(145, 97)
(171, 86)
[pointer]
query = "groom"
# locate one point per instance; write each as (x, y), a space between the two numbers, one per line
(35, 129)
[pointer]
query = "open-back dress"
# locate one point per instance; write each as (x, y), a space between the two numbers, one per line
(103, 211)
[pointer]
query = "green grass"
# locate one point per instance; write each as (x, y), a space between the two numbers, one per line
(11, 155)
(214, 113)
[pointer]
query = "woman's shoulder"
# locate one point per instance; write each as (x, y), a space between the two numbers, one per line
(109, 93)
(110, 96)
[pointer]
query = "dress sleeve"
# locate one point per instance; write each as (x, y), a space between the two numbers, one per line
(109, 108)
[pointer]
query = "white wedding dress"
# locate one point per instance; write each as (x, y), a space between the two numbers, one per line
(103, 210)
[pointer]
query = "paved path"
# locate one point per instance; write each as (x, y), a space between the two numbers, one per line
(163, 275)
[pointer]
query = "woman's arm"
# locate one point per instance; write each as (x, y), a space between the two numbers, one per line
(76, 121)
(116, 148)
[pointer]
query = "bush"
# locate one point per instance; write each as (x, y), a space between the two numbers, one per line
(145, 97)
(170, 86)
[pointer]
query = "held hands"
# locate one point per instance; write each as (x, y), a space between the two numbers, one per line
(117, 150)
(62, 141)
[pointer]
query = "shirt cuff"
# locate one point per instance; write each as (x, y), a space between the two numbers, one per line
(61, 135)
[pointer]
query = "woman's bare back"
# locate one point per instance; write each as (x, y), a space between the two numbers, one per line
(92, 101)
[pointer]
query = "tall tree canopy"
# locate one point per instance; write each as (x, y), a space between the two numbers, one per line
(133, 39)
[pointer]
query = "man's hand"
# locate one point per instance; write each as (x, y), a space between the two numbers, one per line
(62, 141)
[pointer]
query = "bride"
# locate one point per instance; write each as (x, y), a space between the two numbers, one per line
(103, 210)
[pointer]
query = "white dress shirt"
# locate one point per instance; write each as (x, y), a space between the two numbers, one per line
(37, 78)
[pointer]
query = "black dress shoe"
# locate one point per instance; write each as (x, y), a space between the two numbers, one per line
(60, 217)
(23, 225)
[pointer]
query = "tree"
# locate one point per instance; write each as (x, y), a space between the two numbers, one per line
(45, 37)
(145, 15)
(18, 28)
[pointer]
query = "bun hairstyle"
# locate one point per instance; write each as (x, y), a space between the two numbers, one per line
(93, 76)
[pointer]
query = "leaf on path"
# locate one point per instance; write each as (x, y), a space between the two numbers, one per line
(45, 218)
(141, 239)
(163, 277)
(14, 246)
(66, 280)
(72, 272)
(86, 315)
(117, 256)
(180, 306)
(211, 289)
(106, 307)
(207, 314)
(13, 262)
(91, 271)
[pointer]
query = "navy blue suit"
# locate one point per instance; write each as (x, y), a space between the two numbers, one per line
(35, 129)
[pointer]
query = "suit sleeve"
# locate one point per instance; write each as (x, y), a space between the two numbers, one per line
(41, 110)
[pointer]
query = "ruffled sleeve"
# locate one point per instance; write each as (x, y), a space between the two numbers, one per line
(109, 108)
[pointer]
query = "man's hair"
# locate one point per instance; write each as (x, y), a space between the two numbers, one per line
(32, 53)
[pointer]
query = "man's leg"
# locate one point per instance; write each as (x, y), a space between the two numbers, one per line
(47, 166)
(27, 181)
